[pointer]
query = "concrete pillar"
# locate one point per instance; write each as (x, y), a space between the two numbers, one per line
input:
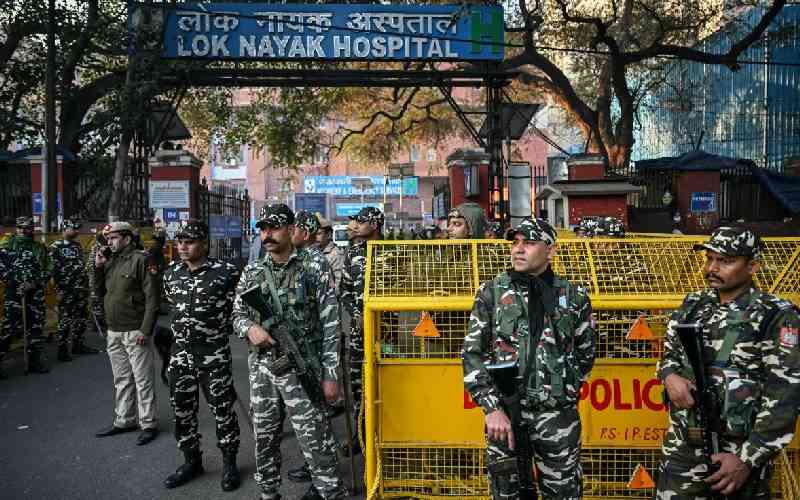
(472, 165)
(174, 182)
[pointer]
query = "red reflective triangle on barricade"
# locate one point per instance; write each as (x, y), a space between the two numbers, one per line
(640, 330)
(468, 402)
(426, 326)
(641, 479)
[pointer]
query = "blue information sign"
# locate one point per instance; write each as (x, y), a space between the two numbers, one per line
(216, 227)
(365, 32)
(703, 202)
(348, 209)
(38, 203)
(171, 215)
(313, 202)
(342, 185)
(233, 227)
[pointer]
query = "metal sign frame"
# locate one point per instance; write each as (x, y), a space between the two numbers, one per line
(149, 18)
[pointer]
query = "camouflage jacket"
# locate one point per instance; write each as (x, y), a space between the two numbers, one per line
(499, 331)
(26, 260)
(203, 302)
(335, 257)
(67, 267)
(96, 289)
(758, 383)
(309, 302)
(3, 265)
(353, 275)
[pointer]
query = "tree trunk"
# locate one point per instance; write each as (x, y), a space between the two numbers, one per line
(121, 163)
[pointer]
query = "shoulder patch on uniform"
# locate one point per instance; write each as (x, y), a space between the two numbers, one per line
(788, 336)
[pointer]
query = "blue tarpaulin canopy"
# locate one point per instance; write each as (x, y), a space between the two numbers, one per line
(692, 161)
(785, 188)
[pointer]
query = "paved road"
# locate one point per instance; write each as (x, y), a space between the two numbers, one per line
(48, 449)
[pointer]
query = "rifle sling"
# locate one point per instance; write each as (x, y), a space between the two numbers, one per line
(273, 291)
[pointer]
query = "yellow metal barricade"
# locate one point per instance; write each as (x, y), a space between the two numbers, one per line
(424, 436)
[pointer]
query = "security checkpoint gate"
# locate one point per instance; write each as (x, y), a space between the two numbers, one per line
(424, 437)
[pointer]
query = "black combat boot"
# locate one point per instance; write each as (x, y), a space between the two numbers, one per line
(37, 361)
(63, 353)
(230, 473)
(188, 471)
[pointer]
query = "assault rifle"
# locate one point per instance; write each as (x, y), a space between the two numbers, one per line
(708, 411)
(506, 378)
(289, 356)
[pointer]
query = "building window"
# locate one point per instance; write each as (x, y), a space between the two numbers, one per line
(414, 152)
(431, 154)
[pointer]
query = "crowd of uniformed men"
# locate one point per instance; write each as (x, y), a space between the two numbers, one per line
(286, 305)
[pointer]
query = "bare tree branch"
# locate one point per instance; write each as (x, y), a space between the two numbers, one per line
(728, 59)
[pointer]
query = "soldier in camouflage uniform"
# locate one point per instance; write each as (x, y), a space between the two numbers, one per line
(333, 253)
(304, 237)
(304, 300)
(201, 290)
(466, 221)
(612, 227)
(26, 273)
(367, 225)
(751, 351)
(544, 322)
(68, 269)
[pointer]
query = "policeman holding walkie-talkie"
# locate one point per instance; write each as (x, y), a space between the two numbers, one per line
(731, 372)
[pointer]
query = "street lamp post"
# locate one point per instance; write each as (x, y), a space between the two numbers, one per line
(401, 171)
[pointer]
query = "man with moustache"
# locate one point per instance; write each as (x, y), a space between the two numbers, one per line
(201, 290)
(304, 302)
(367, 225)
(750, 349)
(532, 316)
(130, 302)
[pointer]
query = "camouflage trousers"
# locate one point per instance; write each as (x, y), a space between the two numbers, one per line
(268, 394)
(555, 438)
(682, 481)
(12, 318)
(71, 320)
(356, 367)
(186, 373)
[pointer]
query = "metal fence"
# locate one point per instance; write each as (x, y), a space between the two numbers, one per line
(15, 191)
(228, 201)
